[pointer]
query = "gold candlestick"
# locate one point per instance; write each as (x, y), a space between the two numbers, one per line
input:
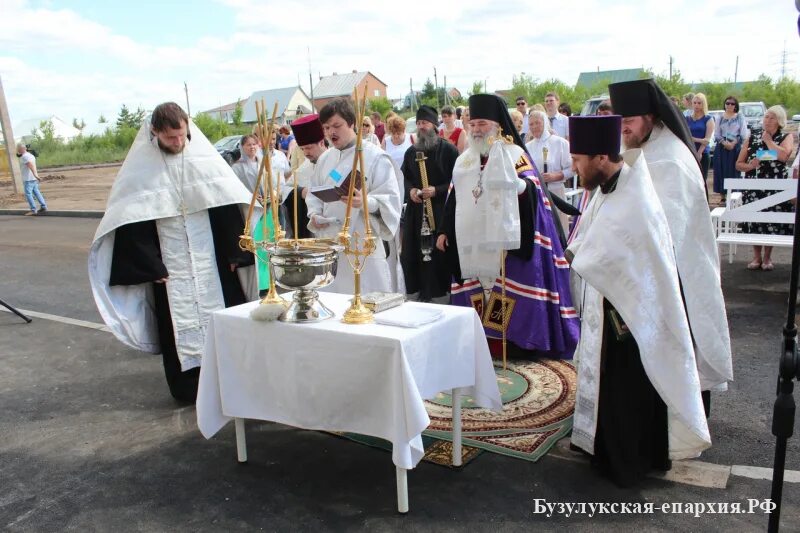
(265, 130)
(356, 249)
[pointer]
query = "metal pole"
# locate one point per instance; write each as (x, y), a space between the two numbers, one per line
(436, 86)
(310, 83)
(784, 409)
(11, 146)
(736, 70)
(186, 90)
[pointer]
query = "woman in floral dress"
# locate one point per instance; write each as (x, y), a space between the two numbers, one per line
(763, 156)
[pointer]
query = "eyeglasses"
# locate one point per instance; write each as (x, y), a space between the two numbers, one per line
(520, 103)
(730, 103)
(365, 125)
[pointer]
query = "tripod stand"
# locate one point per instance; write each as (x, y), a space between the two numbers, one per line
(14, 310)
(789, 370)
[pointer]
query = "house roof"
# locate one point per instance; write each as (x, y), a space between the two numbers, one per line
(588, 79)
(222, 108)
(339, 84)
(283, 96)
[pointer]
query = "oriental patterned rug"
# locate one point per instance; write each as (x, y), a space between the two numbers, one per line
(538, 402)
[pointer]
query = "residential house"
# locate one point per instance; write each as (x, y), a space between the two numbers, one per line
(293, 102)
(338, 85)
(223, 112)
(590, 79)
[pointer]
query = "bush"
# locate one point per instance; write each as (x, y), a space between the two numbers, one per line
(111, 146)
(213, 128)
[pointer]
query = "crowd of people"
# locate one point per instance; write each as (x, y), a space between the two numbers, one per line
(471, 210)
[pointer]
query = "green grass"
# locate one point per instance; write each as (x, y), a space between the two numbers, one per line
(67, 157)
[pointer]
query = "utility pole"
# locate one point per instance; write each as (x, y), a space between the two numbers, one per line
(736, 70)
(310, 84)
(8, 137)
(436, 86)
(670, 67)
(186, 90)
(784, 57)
(445, 89)
(412, 97)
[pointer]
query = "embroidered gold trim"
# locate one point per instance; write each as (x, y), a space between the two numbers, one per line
(492, 315)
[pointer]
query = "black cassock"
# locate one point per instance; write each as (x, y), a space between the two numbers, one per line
(302, 214)
(632, 433)
(137, 259)
(431, 279)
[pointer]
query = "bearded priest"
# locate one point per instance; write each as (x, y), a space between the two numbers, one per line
(638, 402)
(166, 254)
(499, 236)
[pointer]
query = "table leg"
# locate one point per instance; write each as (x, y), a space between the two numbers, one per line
(456, 427)
(241, 442)
(402, 490)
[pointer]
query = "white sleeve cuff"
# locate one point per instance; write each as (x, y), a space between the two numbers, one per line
(372, 205)
(521, 186)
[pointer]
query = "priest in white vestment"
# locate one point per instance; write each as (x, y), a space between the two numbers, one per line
(166, 255)
(384, 200)
(310, 139)
(652, 122)
(638, 403)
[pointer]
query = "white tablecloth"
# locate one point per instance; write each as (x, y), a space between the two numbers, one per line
(369, 379)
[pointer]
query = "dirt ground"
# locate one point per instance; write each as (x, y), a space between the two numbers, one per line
(78, 189)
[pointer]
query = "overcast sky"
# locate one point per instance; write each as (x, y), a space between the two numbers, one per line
(82, 58)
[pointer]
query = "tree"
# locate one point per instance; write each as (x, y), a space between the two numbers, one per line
(213, 128)
(102, 119)
(760, 90)
(78, 125)
(673, 86)
(428, 90)
(477, 87)
(381, 105)
(238, 112)
(534, 91)
(126, 119)
(716, 93)
(46, 131)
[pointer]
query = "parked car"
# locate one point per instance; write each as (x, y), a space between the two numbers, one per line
(228, 148)
(591, 105)
(411, 125)
(753, 113)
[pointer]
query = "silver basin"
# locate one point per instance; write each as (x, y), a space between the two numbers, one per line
(304, 268)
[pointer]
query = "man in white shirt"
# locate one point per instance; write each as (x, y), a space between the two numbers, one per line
(557, 167)
(559, 122)
(30, 179)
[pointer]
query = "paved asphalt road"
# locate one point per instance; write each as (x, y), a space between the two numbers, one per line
(92, 440)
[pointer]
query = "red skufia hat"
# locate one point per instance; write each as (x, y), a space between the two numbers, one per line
(307, 130)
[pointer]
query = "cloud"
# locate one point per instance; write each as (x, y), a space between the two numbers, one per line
(57, 60)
